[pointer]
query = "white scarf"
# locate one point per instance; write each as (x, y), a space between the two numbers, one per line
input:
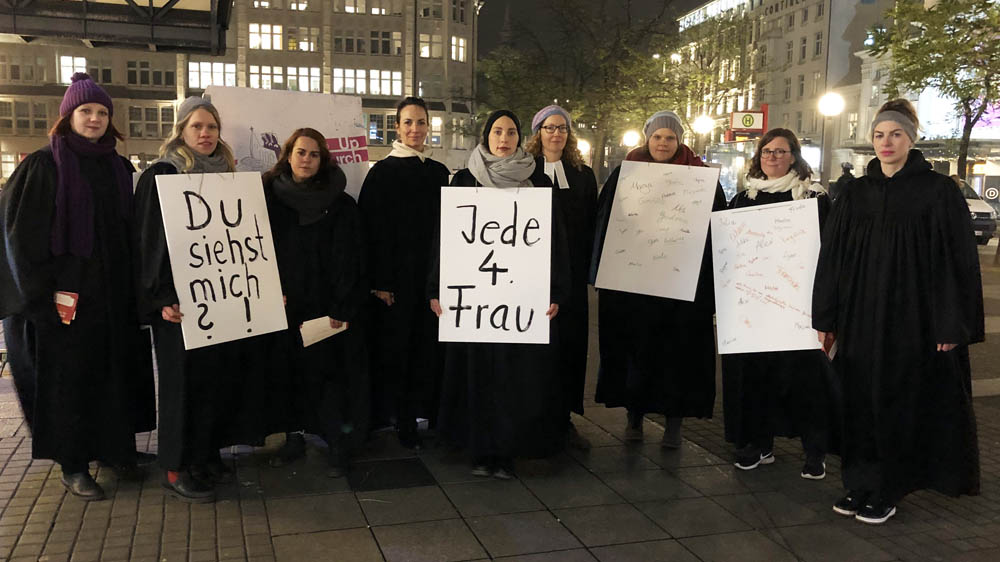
(400, 150)
(557, 173)
(789, 182)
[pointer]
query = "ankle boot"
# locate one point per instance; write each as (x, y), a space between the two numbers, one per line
(672, 434)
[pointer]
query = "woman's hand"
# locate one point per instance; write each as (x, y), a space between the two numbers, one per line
(436, 307)
(386, 296)
(172, 313)
(335, 324)
(826, 339)
(946, 346)
(552, 311)
(284, 300)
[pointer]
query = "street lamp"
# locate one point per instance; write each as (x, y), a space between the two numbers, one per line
(631, 139)
(584, 147)
(830, 106)
(675, 58)
(703, 125)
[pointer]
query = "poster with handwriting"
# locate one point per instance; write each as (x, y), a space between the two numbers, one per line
(764, 262)
(495, 264)
(256, 122)
(222, 256)
(657, 231)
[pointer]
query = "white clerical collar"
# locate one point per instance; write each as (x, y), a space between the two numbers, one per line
(557, 173)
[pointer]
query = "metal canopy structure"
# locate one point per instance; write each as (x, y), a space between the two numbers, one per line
(195, 26)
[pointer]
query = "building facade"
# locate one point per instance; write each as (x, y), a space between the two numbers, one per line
(380, 50)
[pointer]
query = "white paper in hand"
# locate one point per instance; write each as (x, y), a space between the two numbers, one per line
(318, 329)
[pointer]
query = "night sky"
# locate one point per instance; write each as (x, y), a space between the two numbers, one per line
(492, 15)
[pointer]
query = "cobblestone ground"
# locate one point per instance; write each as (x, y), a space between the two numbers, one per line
(616, 502)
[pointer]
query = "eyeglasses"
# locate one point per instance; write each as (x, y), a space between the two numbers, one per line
(777, 153)
(553, 129)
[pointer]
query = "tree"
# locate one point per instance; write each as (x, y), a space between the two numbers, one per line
(709, 62)
(594, 56)
(953, 46)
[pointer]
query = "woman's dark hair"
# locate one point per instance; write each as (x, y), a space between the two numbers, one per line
(799, 163)
(411, 100)
(902, 106)
(283, 166)
(493, 117)
(63, 127)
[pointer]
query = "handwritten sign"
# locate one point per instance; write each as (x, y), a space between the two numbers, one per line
(657, 231)
(495, 264)
(764, 260)
(255, 123)
(221, 256)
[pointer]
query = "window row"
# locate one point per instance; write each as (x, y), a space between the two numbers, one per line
(817, 85)
(374, 42)
(294, 5)
(382, 129)
(25, 69)
(150, 122)
(23, 118)
(431, 47)
(361, 81)
(296, 78)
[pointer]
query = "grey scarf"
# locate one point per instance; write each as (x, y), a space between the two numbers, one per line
(215, 163)
(310, 199)
(494, 171)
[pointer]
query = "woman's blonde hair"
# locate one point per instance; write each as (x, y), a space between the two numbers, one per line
(571, 153)
(176, 141)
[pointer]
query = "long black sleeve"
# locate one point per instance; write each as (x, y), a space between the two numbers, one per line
(154, 277)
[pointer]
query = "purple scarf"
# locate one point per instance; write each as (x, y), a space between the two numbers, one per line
(73, 223)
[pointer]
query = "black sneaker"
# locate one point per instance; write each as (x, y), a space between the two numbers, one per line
(504, 469)
(851, 503)
(752, 459)
(481, 466)
(875, 511)
(814, 469)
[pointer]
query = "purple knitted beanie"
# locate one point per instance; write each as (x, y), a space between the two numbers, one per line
(546, 112)
(83, 90)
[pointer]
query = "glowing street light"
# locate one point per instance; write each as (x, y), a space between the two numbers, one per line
(675, 58)
(703, 125)
(631, 138)
(831, 104)
(584, 147)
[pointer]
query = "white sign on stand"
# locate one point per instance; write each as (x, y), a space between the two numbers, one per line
(256, 122)
(657, 231)
(221, 256)
(764, 261)
(496, 247)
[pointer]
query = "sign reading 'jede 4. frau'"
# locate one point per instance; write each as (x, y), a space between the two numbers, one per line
(221, 256)
(495, 264)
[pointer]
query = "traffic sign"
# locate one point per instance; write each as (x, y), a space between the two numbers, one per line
(747, 121)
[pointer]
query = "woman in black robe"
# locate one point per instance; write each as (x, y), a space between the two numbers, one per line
(657, 354)
(399, 203)
(503, 400)
(898, 290)
(210, 396)
(66, 216)
(575, 189)
(788, 393)
(317, 234)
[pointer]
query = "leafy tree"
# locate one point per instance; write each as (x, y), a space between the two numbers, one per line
(953, 46)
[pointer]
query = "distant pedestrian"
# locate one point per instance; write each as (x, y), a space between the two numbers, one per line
(788, 393)
(575, 187)
(502, 400)
(898, 290)
(318, 246)
(400, 201)
(657, 354)
(209, 397)
(67, 297)
(845, 178)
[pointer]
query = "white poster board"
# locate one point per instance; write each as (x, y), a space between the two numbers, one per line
(657, 231)
(221, 256)
(496, 246)
(256, 122)
(764, 261)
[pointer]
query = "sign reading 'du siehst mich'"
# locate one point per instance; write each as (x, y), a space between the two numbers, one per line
(221, 256)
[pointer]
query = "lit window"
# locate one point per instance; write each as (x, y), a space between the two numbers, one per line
(204, 74)
(267, 77)
(457, 48)
(435, 136)
(265, 36)
(430, 46)
(68, 66)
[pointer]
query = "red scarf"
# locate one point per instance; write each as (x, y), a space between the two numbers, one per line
(684, 156)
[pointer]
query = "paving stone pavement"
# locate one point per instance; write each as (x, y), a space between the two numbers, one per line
(615, 502)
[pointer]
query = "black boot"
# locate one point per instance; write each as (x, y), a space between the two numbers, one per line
(408, 435)
(339, 461)
(293, 449)
(83, 486)
(187, 488)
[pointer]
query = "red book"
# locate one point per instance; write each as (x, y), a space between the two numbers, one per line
(66, 305)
